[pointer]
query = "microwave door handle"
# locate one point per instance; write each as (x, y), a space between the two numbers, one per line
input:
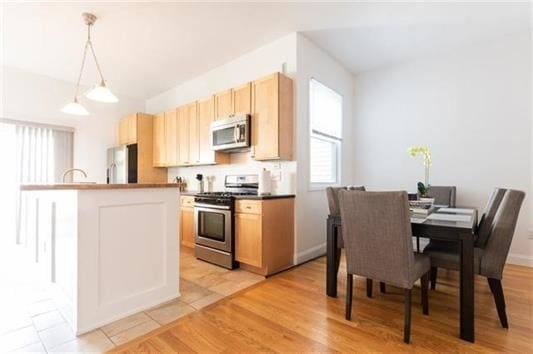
(236, 134)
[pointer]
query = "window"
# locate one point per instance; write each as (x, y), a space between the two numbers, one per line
(325, 112)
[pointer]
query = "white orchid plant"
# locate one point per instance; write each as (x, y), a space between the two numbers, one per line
(424, 151)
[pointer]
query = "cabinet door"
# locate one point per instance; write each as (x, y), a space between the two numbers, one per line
(223, 104)
(206, 114)
(171, 132)
(265, 122)
(159, 140)
(183, 135)
(132, 129)
(242, 99)
(248, 239)
(194, 142)
(187, 227)
(123, 131)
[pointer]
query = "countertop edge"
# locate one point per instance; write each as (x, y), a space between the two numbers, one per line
(75, 186)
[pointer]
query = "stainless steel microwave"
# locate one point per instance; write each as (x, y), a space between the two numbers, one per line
(231, 134)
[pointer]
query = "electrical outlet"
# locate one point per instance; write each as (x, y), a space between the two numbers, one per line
(530, 234)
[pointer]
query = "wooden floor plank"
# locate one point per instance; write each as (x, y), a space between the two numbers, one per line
(291, 313)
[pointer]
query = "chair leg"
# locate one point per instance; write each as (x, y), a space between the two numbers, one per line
(418, 244)
(382, 287)
(407, 317)
(349, 288)
(433, 277)
(497, 292)
(368, 287)
(424, 282)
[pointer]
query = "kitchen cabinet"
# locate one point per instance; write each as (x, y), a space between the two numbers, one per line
(194, 138)
(171, 138)
(143, 129)
(264, 234)
(206, 115)
(223, 104)
(242, 99)
(272, 118)
(127, 130)
(187, 221)
(159, 140)
(183, 133)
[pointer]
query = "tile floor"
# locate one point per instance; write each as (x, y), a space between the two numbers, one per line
(39, 327)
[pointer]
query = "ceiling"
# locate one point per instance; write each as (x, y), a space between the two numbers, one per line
(147, 48)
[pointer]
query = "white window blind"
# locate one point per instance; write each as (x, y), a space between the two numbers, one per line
(326, 134)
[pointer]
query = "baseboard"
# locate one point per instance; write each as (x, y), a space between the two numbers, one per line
(310, 253)
(520, 259)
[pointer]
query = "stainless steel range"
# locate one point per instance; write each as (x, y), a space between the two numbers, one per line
(213, 220)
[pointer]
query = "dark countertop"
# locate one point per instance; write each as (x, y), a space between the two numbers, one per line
(248, 197)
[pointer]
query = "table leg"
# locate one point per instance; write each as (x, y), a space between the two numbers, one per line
(331, 256)
(467, 288)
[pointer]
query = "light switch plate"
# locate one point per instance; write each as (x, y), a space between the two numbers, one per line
(530, 234)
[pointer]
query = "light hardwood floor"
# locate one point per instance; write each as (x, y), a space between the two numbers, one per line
(291, 313)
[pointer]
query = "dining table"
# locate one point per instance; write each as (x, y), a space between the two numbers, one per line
(448, 224)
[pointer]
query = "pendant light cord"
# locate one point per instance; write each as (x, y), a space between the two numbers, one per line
(88, 44)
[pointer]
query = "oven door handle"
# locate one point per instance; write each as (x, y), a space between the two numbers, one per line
(210, 207)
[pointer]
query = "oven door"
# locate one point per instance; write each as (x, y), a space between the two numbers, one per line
(213, 226)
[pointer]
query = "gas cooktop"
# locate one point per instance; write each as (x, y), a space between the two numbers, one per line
(224, 194)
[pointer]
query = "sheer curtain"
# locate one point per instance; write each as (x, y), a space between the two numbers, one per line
(29, 153)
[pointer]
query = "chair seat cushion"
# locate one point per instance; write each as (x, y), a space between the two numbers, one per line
(448, 257)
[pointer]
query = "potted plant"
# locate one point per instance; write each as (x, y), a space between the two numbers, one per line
(424, 151)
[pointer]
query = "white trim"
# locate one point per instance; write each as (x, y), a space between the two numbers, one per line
(520, 259)
(310, 253)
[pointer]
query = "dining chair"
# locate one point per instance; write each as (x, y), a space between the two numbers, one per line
(332, 194)
(482, 233)
(377, 239)
(490, 260)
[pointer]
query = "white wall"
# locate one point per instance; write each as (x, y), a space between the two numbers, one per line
(311, 205)
(472, 107)
(35, 98)
(253, 65)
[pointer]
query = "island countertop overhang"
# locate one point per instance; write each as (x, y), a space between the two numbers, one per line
(93, 186)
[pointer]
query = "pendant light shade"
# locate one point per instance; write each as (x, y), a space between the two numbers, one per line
(98, 93)
(75, 108)
(101, 93)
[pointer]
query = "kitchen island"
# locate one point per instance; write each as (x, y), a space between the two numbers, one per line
(108, 250)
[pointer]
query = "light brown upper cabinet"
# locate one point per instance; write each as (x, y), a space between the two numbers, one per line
(159, 140)
(206, 115)
(272, 118)
(242, 99)
(223, 104)
(194, 138)
(127, 130)
(171, 137)
(139, 129)
(183, 135)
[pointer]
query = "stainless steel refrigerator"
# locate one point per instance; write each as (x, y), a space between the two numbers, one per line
(122, 164)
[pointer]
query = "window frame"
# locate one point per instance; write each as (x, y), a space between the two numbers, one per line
(316, 134)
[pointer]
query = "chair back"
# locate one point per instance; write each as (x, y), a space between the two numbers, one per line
(332, 194)
(486, 221)
(499, 241)
(377, 236)
(444, 195)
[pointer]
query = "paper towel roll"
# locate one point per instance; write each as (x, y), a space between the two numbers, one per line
(265, 182)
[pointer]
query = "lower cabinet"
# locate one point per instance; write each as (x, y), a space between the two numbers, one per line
(187, 221)
(264, 234)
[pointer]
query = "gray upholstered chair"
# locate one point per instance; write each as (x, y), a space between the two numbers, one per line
(444, 195)
(482, 233)
(490, 260)
(377, 242)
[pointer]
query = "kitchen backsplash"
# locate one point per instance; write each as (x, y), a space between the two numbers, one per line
(283, 173)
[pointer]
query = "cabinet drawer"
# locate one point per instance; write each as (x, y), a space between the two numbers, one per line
(248, 206)
(187, 201)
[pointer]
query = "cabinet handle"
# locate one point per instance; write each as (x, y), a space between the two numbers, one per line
(248, 207)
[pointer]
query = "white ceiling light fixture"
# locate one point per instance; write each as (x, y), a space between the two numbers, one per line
(99, 92)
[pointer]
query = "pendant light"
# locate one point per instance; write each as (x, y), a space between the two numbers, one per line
(99, 92)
